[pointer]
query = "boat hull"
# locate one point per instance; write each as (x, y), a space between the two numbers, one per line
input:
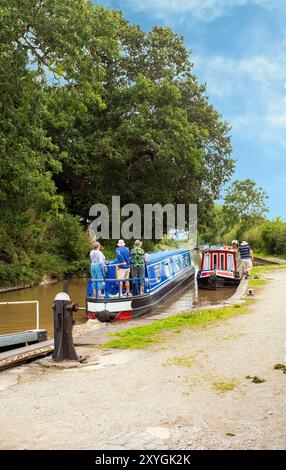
(107, 310)
(217, 282)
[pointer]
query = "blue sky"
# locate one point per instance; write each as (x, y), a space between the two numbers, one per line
(239, 50)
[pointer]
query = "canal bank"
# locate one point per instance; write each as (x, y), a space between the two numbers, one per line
(190, 391)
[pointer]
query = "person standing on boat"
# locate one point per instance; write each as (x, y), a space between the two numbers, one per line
(123, 262)
(97, 269)
(246, 258)
(234, 245)
(138, 263)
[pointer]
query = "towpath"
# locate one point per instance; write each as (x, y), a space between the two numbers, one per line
(188, 392)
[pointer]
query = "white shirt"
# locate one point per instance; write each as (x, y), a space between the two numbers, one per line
(97, 256)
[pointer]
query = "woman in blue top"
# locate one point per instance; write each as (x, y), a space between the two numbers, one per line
(97, 268)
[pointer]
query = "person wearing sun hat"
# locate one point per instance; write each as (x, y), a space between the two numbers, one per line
(246, 258)
(123, 265)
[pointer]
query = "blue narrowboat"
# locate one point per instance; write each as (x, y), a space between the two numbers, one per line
(166, 272)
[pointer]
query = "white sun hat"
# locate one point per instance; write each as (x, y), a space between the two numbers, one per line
(120, 243)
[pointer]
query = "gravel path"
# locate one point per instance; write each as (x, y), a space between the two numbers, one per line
(167, 397)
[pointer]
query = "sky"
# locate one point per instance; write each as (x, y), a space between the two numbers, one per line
(239, 51)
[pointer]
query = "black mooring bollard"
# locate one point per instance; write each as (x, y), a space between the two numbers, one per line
(63, 324)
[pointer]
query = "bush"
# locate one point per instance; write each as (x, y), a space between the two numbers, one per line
(254, 237)
(16, 274)
(50, 264)
(66, 238)
(62, 251)
(274, 236)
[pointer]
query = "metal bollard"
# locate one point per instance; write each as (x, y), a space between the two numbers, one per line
(63, 324)
(250, 293)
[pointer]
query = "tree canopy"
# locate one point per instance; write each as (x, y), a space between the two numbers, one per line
(245, 201)
(92, 106)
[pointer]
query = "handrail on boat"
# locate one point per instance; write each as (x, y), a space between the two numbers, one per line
(28, 302)
(107, 295)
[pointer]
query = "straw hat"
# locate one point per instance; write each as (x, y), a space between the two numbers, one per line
(137, 243)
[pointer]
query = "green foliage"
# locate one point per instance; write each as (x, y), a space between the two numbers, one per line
(268, 237)
(156, 139)
(244, 203)
(273, 236)
(65, 236)
(254, 236)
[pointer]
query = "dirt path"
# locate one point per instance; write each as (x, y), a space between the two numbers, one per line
(168, 397)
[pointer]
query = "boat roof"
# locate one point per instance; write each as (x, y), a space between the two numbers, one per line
(219, 250)
(155, 256)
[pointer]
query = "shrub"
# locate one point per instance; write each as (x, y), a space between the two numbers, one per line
(65, 237)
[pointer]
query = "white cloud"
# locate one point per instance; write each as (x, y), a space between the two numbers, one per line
(206, 10)
(251, 94)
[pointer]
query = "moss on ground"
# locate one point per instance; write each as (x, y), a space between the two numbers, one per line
(142, 337)
(223, 386)
(185, 361)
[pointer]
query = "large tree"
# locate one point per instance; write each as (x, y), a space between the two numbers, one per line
(156, 140)
(244, 203)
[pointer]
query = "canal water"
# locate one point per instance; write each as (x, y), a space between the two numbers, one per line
(14, 318)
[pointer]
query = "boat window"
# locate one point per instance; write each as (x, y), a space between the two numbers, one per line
(206, 266)
(157, 273)
(222, 261)
(167, 269)
(215, 261)
(186, 260)
(230, 263)
(176, 265)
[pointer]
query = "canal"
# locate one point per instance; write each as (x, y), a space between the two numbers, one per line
(14, 318)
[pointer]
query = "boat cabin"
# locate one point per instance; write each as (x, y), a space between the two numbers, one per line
(220, 267)
(219, 259)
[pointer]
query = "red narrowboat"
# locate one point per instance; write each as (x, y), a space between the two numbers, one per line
(220, 267)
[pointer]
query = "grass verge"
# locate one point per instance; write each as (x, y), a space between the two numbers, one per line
(141, 337)
(258, 270)
(264, 254)
(257, 282)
